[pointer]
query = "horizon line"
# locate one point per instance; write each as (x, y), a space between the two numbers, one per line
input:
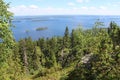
(71, 15)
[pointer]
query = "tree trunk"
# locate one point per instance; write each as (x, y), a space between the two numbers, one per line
(25, 58)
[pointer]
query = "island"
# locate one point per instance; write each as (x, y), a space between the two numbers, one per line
(41, 28)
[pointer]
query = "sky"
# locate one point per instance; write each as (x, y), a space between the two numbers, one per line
(64, 7)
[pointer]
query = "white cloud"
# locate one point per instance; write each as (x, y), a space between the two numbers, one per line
(71, 4)
(103, 7)
(92, 8)
(38, 0)
(21, 6)
(115, 5)
(84, 8)
(35, 10)
(33, 6)
(81, 1)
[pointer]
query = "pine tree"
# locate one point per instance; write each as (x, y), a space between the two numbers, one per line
(103, 64)
(37, 60)
(113, 32)
(73, 39)
(23, 55)
(66, 38)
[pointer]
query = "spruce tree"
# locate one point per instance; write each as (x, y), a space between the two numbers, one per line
(66, 38)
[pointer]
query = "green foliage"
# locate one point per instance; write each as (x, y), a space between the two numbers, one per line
(7, 45)
(114, 32)
(103, 64)
(91, 54)
(66, 38)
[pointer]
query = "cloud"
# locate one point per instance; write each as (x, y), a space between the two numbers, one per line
(24, 10)
(92, 8)
(85, 10)
(71, 4)
(81, 1)
(116, 4)
(21, 6)
(38, 0)
(33, 6)
(35, 10)
(101, 10)
(103, 7)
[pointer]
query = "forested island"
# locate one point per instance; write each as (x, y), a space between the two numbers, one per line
(83, 54)
(41, 28)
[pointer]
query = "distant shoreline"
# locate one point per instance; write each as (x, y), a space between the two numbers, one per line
(60, 15)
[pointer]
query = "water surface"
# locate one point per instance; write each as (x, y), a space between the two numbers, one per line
(27, 25)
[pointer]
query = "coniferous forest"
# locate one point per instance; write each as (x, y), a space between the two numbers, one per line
(83, 54)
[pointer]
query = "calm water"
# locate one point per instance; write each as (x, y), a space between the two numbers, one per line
(26, 25)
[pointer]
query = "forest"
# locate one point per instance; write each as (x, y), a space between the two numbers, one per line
(83, 54)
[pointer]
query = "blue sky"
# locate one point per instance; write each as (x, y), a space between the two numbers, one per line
(64, 7)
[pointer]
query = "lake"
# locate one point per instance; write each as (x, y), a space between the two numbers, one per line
(26, 25)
